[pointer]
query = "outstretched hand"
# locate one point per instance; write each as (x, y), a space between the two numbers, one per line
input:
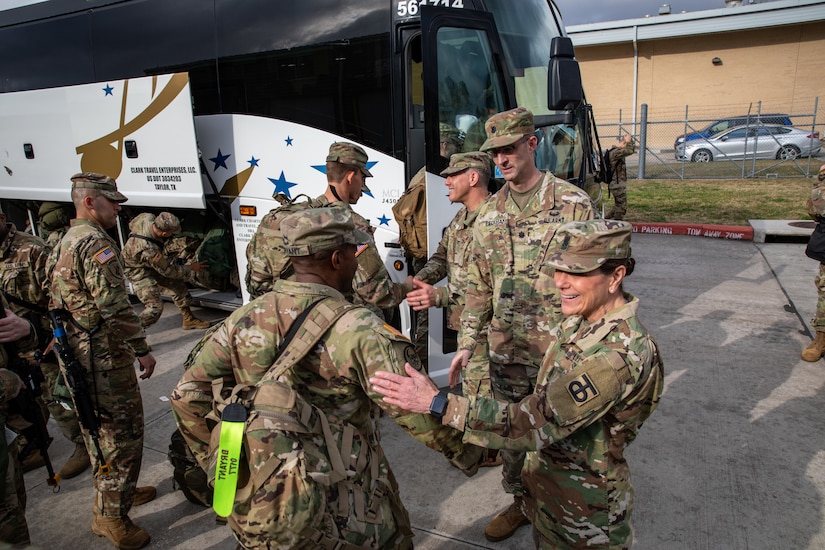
(459, 361)
(413, 393)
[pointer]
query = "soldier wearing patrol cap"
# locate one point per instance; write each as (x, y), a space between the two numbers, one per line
(149, 271)
(106, 337)
(322, 244)
(468, 176)
(510, 292)
(600, 379)
(346, 169)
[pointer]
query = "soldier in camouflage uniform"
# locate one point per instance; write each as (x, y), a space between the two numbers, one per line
(105, 335)
(467, 178)
(346, 168)
(149, 271)
(13, 526)
(510, 290)
(322, 244)
(450, 141)
(54, 221)
(618, 183)
(24, 283)
(600, 379)
(816, 209)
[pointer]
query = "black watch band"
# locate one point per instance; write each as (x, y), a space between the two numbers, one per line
(439, 405)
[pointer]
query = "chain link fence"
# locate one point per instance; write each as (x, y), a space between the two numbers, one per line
(755, 144)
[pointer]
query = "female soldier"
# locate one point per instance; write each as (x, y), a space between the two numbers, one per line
(600, 379)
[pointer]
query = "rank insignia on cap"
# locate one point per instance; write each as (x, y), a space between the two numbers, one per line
(105, 255)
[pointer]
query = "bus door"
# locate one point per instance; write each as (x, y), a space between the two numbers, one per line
(465, 80)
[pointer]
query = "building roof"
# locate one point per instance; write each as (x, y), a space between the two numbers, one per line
(727, 19)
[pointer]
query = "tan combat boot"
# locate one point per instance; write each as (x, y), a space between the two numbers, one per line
(816, 348)
(124, 534)
(190, 321)
(505, 523)
(144, 495)
(77, 463)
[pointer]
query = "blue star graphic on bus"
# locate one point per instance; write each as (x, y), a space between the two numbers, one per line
(108, 89)
(253, 161)
(220, 160)
(288, 141)
(383, 220)
(281, 185)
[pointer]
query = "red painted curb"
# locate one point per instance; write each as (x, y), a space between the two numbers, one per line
(730, 232)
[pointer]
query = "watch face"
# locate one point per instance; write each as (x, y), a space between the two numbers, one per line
(439, 405)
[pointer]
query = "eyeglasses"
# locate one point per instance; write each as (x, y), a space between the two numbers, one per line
(507, 150)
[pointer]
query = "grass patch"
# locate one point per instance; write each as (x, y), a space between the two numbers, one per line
(725, 202)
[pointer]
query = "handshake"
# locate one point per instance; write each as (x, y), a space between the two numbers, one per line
(420, 295)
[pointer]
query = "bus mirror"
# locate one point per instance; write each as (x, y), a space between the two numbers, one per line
(564, 79)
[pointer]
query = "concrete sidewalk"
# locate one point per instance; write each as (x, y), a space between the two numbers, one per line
(733, 458)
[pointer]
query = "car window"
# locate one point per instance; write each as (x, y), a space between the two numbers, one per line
(739, 133)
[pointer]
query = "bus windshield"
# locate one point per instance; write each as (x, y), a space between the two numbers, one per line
(526, 35)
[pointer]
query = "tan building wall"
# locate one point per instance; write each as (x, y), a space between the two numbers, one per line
(783, 67)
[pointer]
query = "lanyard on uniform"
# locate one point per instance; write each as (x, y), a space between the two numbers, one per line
(233, 421)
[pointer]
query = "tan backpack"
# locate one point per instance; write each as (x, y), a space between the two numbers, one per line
(410, 213)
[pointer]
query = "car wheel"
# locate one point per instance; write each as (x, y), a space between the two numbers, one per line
(702, 155)
(788, 152)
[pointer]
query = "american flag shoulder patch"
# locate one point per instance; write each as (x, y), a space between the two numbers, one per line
(105, 255)
(360, 249)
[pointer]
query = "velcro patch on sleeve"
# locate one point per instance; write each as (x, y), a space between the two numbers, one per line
(360, 249)
(105, 255)
(592, 387)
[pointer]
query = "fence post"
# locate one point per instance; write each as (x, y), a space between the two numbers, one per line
(643, 142)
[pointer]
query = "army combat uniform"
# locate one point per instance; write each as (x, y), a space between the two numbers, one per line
(334, 377)
(105, 335)
(13, 526)
(599, 381)
(149, 271)
(510, 289)
(25, 284)
(618, 183)
(816, 209)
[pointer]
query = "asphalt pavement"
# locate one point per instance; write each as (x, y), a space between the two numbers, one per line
(734, 458)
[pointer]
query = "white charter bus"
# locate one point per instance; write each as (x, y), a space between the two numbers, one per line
(208, 108)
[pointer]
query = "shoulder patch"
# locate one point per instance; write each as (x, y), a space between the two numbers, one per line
(105, 255)
(392, 330)
(360, 249)
(591, 388)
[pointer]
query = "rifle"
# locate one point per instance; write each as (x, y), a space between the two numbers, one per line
(37, 434)
(75, 376)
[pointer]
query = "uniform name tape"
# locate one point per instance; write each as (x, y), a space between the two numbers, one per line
(233, 421)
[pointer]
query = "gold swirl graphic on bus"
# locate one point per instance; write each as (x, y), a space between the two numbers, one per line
(101, 155)
(234, 185)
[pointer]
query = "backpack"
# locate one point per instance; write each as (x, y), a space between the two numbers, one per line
(265, 257)
(608, 167)
(410, 213)
(303, 481)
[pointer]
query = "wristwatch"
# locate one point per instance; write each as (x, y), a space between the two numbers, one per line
(439, 405)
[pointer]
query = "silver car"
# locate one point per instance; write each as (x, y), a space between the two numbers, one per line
(748, 142)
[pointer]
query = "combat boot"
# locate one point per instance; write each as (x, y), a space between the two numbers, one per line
(816, 348)
(77, 463)
(190, 321)
(121, 532)
(505, 523)
(33, 461)
(144, 495)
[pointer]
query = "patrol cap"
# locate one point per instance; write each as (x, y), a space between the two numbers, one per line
(105, 184)
(449, 133)
(508, 127)
(166, 221)
(462, 161)
(318, 229)
(349, 153)
(582, 246)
